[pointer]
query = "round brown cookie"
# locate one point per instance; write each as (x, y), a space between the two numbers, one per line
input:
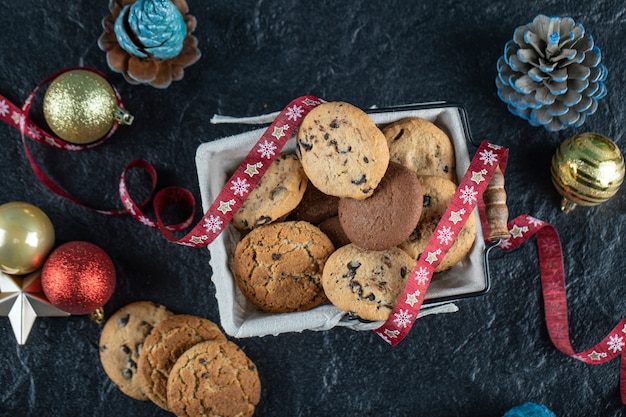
(438, 193)
(342, 151)
(278, 267)
(315, 206)
(121, 342)
(331, 227)
(214, 379)
(366, 283)
(389, 216)
(421, 146)
(275, 196)
(162, 347)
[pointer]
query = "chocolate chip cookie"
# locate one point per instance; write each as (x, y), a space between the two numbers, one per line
(366, 283)
(121, 343)
(342, 151)
(275, 196)
(162, 347)
(213, 379)
(438, 193)
(421, 146)
(278, 267)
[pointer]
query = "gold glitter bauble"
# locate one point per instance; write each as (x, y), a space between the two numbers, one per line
(80, 106)
(587, 170)
(26, 238)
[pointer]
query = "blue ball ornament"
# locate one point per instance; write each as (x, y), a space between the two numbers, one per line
(529, 409)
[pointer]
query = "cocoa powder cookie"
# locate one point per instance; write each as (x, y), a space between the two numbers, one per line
(331, 227)
(278, 267)
(438, 193)
(389, 216)
(121, 343)
(162, 347)
(214, 379)
(342, 151)
(366, 283)
(275, 196)
(315, 206)
(421, 146)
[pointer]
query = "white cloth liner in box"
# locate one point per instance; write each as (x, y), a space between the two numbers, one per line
(216, 160)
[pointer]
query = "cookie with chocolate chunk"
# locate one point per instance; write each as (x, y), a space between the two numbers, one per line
(214, 379)
(278, 267)
(421, 146)
(275, 196)
(162, 347)
(121, 342)
(342, 151)
(438, 192)
(366, 283)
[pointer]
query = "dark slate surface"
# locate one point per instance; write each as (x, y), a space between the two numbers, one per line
(257, 56)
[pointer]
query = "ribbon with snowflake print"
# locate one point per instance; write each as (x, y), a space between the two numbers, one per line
(467, 195)
(242, 182)
(551, 270)
(18, 117)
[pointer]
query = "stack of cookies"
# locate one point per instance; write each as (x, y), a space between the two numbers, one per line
(180, 362)
(347, 217)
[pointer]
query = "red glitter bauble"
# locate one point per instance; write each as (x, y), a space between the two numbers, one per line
(78, 277)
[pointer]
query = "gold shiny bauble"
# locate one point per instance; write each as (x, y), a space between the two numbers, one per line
(80, 106)
(26, 238)
(587, 170)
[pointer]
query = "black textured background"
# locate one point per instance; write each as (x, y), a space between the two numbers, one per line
(257, 56)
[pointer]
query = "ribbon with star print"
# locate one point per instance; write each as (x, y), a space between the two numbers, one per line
(221, 211)
(18, 117)
(468, 194)
(552, 275)
(236, 189)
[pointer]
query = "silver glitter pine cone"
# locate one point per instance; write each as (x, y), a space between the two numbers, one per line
(550, 73)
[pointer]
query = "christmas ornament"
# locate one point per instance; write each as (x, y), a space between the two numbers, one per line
(149, 41)
(151, 28)
(22, 300)
(587, 170)
(80, 106)
(529, 410)
(550, 73)
(26, 237)
(78, 277)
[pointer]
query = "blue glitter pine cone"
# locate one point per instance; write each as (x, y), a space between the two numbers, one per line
(550, 73)
(151, 29)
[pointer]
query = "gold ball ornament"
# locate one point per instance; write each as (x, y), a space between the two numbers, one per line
(80, 106)
(587, 170)
(26, 238)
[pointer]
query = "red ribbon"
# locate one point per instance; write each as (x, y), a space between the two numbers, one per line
(467, 195)
(221, 211)
(552, 275)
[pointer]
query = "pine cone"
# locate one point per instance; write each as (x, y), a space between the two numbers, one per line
(133, 50)
(550, 73)
(151, 28)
